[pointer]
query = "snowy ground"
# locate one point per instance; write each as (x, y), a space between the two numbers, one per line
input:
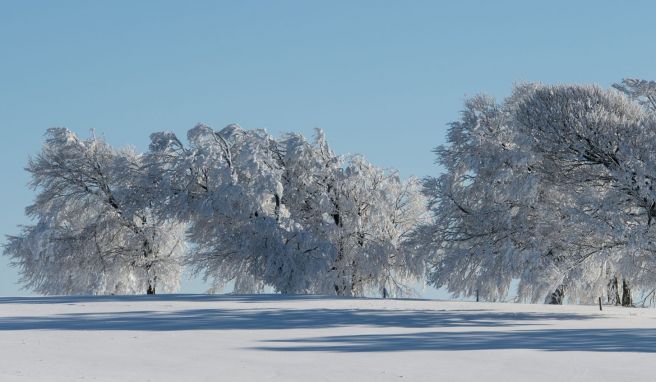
(275, 338)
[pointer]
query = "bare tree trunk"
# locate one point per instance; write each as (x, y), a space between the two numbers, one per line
(151, 286)
(613, 291)
(626, 293)
(557, 297)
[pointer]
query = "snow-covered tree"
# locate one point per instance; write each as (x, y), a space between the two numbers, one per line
(95, 231)
(227, 185)
(601, 144)
(373, 213)
(552, 187)
(476, 229)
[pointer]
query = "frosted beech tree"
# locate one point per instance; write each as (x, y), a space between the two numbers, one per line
(362, 212)
(227, 185)
(552, 187)
(476, 232)
(95, 232)
(287, 213)
(602, 145)
(374, 213)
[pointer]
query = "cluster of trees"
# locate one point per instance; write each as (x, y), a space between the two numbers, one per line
(233, 205)
(551, 189)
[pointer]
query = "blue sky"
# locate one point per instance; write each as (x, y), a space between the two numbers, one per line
(382, 78)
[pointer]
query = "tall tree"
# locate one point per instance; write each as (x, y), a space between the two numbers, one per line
(552, 187)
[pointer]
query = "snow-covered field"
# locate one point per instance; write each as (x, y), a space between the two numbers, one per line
(306, 338)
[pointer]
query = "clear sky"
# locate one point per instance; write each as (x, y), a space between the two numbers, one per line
(382, 78)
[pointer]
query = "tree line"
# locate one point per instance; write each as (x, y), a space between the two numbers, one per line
(550, 189)
(232, 205)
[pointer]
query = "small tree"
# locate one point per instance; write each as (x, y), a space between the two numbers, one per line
(95, 232)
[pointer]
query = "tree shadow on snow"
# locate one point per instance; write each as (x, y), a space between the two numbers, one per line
(263, 319)
(162, 298)
(601, 340)
(589, 340)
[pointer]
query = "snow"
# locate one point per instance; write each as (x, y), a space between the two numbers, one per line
(310, 338)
